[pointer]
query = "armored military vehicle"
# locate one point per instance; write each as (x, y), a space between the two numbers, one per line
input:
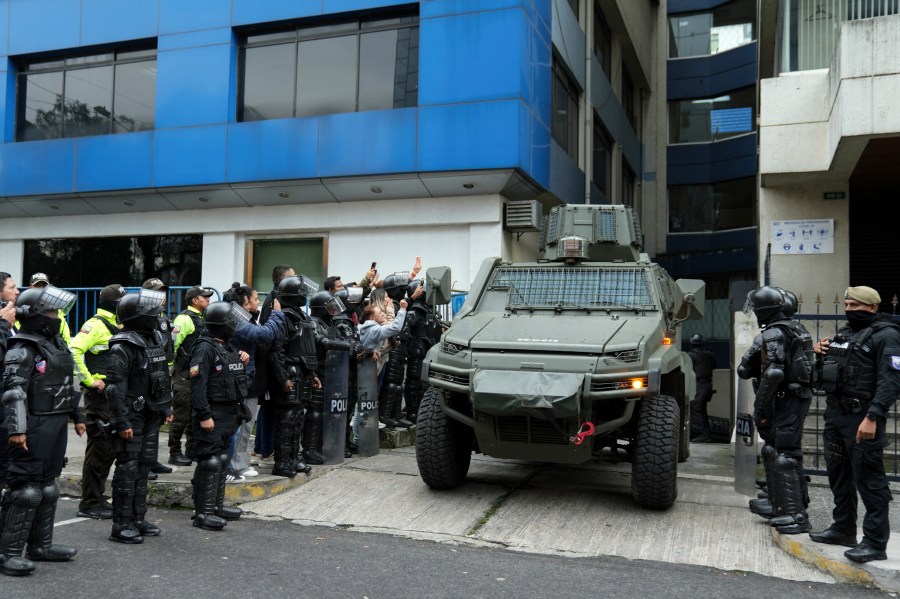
(564, 358)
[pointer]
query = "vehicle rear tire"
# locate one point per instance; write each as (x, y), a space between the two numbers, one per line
(443, 445)
(654, 472)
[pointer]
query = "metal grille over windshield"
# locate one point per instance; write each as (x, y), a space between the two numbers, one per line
(575, 288)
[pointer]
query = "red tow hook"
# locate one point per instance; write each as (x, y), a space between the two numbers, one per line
(586, 430)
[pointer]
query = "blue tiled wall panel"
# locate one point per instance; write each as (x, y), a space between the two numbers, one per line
(708, 76)
(541, 78)
(192, 86)
(105, 21)
(337, 6)
(270, 150)
(189, 156)
(475, 56)
(724, 160)
(246, 12)
(4, 26)
(37, 168)
(7, 102)
(478, 135)
(108, 162)
(177, 16)
(540, 154)
(36, 25)
(442, 8)
(356, 143)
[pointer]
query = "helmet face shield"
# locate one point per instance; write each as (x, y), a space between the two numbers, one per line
(334, 306)
(237, 317)
(53, 299)
(307, 286)
(354, 295)
(150, 301)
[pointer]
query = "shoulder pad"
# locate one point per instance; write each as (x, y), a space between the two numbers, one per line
(129, 337)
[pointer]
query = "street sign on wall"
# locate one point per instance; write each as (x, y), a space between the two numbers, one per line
(803, 237)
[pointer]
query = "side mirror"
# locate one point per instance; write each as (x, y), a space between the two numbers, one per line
(437, 285)
(690, 302)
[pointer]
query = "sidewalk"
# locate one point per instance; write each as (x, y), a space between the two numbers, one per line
(583, 511)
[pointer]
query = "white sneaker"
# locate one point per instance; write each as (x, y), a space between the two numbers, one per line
(249, 473)
(382, 425)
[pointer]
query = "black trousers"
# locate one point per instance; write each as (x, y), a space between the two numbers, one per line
(47, 437)
(99, 454)
(788, 413)
(217, 441)
(699, 417)
(857, 467)
(181, 423)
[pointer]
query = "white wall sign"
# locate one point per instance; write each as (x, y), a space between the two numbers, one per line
(803, 236)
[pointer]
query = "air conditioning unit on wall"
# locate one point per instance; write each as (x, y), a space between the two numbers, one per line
(522, 216)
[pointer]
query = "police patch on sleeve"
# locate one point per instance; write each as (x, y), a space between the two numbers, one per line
(195, 370)
(895, 362)
(86, 328)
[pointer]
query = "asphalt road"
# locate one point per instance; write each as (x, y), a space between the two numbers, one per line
(275, 558)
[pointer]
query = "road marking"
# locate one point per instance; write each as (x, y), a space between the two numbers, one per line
(71, 521)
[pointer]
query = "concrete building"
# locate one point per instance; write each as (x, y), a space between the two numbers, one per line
(829, 142)
(209, 140)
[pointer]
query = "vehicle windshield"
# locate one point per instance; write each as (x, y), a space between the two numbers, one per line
(583, 288)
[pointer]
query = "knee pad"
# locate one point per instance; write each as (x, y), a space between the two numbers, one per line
(49, 491)
(223, 458)
(785, 463)
(211, 464)
(128, 469)
(27, 495)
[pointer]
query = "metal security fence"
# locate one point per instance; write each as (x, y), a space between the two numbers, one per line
(823, 324)
(87, 298)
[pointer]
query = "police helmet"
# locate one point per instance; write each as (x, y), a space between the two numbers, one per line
(223, 319)
(140, 311)
(38, 308)
(768, 304)
(325, 305)
(293, 291)
(790, 302)
(396, 285)
(696, 340)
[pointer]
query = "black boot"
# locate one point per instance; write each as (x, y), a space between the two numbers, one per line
(391, 395)
(792, 471)
(224, 511)
(206, 490)
(19, 508)
(124, 486)
(763, 506)
(147, 529)
(40, 542)
(284, 458)
(312, 438)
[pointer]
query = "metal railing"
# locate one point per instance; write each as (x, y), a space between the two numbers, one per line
(822, 325)
(87, 299)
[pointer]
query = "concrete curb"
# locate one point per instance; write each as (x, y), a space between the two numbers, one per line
(830, 559)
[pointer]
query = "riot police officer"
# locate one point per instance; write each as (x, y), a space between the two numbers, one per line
(139, 390)
(390, 398)
(423, 333)
(218, 389)
(292, 364)
(782, 363)
(333, 359)
(38, 398)
(860, 372)
(704, 363)
(347, 329)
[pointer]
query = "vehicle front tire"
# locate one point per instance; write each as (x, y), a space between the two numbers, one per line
(654, 472)
(443, 445)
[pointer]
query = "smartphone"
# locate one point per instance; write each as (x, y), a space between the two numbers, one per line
(372, 267)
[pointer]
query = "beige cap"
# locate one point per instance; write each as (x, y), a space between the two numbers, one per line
(863, 294)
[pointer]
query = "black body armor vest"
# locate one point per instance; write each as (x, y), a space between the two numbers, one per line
(301, 343)
(227, 381)
(149, 375)
(51, 389)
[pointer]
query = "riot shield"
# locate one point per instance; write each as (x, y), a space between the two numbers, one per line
(334, 430)
(745, 446)
(367, 408)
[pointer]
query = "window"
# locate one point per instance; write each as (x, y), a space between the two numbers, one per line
(628, 97)
(715, 207)
(712, 119)
(602, 42)
(565, 110)
(627, 185)
(327, 69)
(602, 150)
(701, 34)
(96, 94)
